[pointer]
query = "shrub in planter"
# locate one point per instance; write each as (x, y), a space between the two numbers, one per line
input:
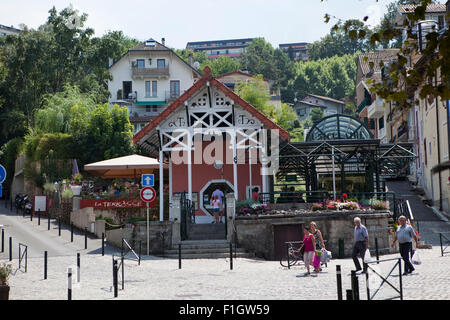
(317, 206)
(379, 205)
(5, 272)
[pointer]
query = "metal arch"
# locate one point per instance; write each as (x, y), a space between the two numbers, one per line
(338, 130)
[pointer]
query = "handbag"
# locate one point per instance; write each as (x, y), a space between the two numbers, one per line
(316, 261)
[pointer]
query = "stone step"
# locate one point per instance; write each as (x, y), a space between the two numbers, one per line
(204, 250)
(206, 236)
(215, 255)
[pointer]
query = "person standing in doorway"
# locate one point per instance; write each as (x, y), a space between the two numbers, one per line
(216, 207)
(361, 244)
(405, 234)
(219, 195)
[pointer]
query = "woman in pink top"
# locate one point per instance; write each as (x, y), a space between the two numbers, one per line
(308, 242)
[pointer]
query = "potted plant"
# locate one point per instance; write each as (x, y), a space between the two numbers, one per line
(5, 272)
(76, 184)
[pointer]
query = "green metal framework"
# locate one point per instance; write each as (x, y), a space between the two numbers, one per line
(346, 142)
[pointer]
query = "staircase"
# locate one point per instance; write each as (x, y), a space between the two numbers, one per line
(212, 231)
(206, 249)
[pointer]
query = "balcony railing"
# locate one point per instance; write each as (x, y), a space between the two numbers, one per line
(149, 72)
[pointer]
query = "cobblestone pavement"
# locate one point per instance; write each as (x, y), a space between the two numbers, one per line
(158, 278)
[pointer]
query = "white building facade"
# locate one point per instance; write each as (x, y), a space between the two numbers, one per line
(148, 78)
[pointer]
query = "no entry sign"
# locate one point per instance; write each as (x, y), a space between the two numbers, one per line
(148, 194)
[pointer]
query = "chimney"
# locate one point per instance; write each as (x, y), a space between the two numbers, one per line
(191, 59)
(163, 41)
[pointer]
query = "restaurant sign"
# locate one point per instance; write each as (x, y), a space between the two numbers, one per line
(102, 204)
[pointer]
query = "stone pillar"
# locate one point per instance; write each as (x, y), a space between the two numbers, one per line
(176, 216)
(231, 214)
(76, 203)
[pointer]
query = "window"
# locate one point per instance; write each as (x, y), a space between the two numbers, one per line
(148, 108)
(302, 111)
(140, 63)
(174, 88)
(154, 88)
(147, 88)
(381, 123)
(161, 63)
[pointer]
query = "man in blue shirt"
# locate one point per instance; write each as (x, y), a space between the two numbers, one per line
(361, 244)
(405, 234)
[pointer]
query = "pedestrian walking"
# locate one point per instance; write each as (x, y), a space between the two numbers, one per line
(404, 235)
(216, 207)
(319, 244)
(218, 194)
(361, 244)
(308, 244)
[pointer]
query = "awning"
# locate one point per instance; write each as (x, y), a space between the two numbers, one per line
(124, 167)
(150, 103)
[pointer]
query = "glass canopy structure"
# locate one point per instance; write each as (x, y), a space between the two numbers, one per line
(340, 155)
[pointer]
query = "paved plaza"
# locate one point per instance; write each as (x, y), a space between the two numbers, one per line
(158, 278)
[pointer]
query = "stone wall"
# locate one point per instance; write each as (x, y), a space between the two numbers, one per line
(160, 235)
(256, 234)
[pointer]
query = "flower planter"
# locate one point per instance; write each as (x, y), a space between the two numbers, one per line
(4, 292)
(76, 190)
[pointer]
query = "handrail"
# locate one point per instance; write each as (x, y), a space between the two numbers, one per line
(385, 279)
(22, 255)
(130, 249)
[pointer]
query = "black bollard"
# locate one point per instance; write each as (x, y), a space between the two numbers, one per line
(71, 232)
(349, 294)
(339, 282)
(115, 278)
(179, 256)
(341, 248)
(10, 248)
(31, 216)
(48, 214)
(59, 226)
(123, 273)
(39, 217)
(69, 284)
(287, 254)
(78, 267)
(103, 244)
(140, 250)
(355, 286)
(85, 238)
(376, 250)
(45, 265)
(231, 256)
(3, 240)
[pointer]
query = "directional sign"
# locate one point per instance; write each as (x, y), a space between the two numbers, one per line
(148, 194)
(148, 180)
(2, 173)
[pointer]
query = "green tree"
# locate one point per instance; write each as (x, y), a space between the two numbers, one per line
(222, 65)
(316, 115)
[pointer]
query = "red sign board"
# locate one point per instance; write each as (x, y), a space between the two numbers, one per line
(148, 194)
(112, 204)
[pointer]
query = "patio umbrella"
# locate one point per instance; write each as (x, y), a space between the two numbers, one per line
(132, 166)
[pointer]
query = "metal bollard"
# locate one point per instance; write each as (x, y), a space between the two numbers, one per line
(10, 248)
(123, 272)
(45, 265)
(71, 232)
(3, 240)
(103, 242)
(339, 282)
(85, 237)
(140, 250)
(179, 256)
(48, 214)
(287, 255)
(376, 250)
(39, 217)
(355, 286)
(349, 294)
(341, 248)
(59, 226)
(31, 216)
(115, 278)
(69, 284)
(231, 256)
(78, 267)
(400, 277)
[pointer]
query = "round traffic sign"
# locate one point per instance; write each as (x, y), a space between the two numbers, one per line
(2, 173)
(148, 194)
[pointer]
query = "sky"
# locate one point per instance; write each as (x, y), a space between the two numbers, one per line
(182, 21)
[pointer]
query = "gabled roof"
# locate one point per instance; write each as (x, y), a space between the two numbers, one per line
(158, 47)
(141, 135)
(383, 55)
(324, 98)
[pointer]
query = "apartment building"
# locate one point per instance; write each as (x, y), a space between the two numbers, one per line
(6, 31)
(425, 124)
(329, 106)
(229, 48)
(373, 110)
(296, 51)
(147, 79)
